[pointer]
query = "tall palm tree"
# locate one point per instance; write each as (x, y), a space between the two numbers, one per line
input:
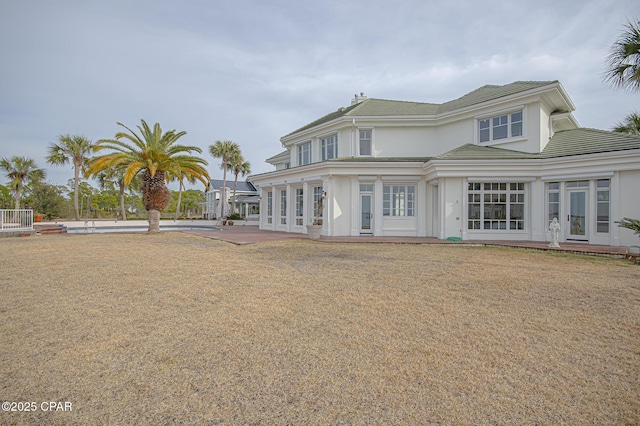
(20, 170)
(75, 149)
(623, 63)
(156, 157)
(238, 165)
(225, 150)
(630, 125)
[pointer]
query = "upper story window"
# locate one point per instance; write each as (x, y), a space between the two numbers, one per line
(304, 154)
(365, 142)
(501, 127)
(329, 147)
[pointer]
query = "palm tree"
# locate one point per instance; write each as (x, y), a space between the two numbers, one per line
(238, 166)
(623, 63)
(75, 149)
(224, 150)
(21, 170)
(156, 157)
(630, 125)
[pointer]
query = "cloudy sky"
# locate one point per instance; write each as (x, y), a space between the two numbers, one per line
(252, 71)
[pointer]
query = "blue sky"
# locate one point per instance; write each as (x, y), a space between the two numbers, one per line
(253, 71)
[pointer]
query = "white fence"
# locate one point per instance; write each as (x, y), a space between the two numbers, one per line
(16, 220)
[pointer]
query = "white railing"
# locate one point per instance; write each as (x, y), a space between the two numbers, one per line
(16, 220)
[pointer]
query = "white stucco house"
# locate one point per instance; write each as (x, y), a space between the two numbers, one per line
(498, 163)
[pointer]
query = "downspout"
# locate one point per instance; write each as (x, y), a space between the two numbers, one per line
(353, 137)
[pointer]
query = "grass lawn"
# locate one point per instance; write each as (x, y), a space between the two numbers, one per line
(174, 328)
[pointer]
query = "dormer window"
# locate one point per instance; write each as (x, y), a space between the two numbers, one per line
(500, 127)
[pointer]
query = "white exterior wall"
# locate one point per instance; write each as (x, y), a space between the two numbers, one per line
(414, 141)
(340, 205)
(629, 206)
(452, 135)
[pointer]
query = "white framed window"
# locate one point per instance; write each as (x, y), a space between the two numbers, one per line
(317, 202)
(329, 147)
(299, 206)
(270, 207)
(304, 153)
(283, 207)
(496, 206)
(365, 142)
(500, 127)
(398, 200)
(553, 201)
(602, 208)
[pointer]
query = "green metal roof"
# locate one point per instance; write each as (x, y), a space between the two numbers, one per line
(382, 107)
(563, 144)
(491, 92)
(588, 141)
(475, 152)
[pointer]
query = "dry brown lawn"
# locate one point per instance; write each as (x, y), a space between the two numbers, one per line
(174, 328)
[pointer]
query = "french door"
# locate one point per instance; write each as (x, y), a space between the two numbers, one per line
(366, 213)
(577, 223)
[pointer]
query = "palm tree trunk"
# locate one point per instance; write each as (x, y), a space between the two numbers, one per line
(122, 207)
(76, 180)
(17, 197)
(155, 197)
(179, 200)
(154, 220)
(224, 185)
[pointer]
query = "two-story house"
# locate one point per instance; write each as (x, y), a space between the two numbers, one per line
(498, 163)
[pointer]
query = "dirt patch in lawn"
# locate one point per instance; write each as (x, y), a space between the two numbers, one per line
(174, 328)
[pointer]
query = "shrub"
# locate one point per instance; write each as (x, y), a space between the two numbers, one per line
(633, 224)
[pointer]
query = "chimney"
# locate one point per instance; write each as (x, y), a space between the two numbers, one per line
(358, 98)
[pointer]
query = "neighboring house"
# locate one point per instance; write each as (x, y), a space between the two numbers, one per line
(246, 202)
(499, 163)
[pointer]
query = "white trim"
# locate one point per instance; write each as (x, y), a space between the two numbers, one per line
(502, 179)
(401, 179)
(501, 112)
(580, 176)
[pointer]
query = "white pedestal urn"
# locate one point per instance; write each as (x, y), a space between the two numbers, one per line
(313, 232)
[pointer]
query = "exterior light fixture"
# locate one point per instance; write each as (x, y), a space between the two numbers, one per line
(324, 195)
